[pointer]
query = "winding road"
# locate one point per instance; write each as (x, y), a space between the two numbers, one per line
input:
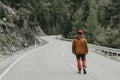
(55, 61)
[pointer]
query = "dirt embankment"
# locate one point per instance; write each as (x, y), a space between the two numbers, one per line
(16, 30)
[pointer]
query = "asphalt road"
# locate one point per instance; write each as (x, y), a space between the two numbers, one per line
(55, 61)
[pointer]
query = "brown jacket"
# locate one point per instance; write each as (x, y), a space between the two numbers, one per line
(79, 45)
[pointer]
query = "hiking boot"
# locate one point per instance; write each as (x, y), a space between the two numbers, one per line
(79, 72)
(84, 71)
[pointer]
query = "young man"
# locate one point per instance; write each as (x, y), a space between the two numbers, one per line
(80, 49)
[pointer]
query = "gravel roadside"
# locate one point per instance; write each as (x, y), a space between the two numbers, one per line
(6, 61)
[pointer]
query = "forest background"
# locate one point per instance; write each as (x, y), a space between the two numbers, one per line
(99, 19)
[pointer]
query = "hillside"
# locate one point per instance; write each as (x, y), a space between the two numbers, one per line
(16, 30)
(99, 19)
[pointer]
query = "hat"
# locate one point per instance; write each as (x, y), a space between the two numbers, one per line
(80, 31)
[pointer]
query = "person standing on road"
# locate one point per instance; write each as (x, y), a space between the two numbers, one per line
(80, 49)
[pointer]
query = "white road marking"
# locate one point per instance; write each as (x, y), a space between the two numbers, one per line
(73, 66)
(12, 65)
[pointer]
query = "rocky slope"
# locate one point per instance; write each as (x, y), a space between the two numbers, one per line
(16, 30)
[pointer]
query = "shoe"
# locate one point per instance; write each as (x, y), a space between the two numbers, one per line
(79, 72)
(84, 71)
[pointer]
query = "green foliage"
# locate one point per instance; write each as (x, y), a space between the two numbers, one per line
(65, 17)
(66, 28)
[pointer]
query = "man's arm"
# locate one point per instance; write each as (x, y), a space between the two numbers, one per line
(73, 46)
(86, 46)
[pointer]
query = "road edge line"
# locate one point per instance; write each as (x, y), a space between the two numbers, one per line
(11, 66)
(73, 66)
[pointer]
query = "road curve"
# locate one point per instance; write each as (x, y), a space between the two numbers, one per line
(55, 61)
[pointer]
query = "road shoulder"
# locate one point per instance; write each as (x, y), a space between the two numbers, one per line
(6, 61)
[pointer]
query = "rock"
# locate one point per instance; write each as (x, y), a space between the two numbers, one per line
(15, 31)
